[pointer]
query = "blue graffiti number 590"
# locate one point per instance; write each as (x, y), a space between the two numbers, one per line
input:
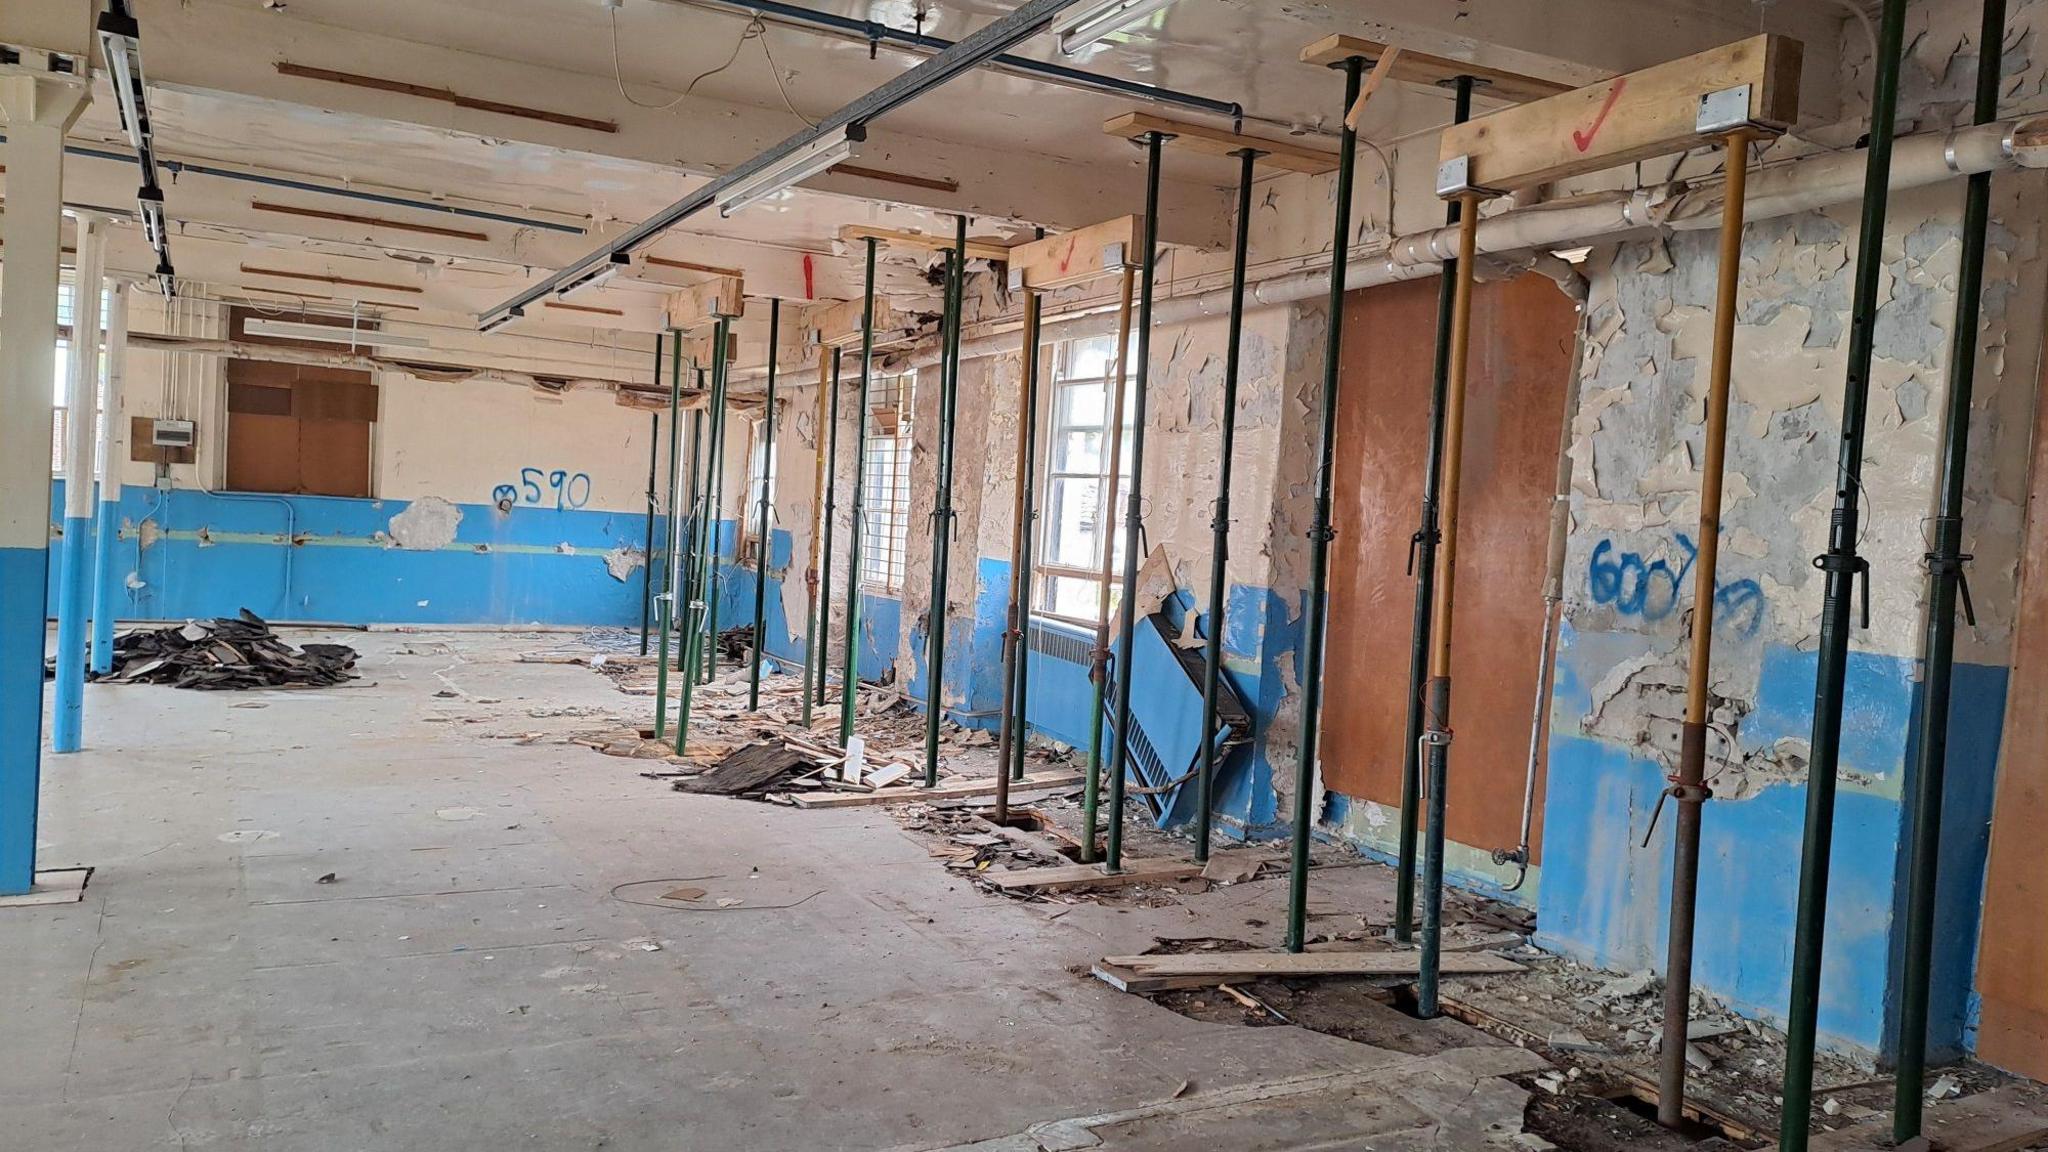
(539, 488)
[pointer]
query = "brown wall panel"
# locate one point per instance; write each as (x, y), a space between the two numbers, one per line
(1522, 339)
(2012, 962)
(263, 453)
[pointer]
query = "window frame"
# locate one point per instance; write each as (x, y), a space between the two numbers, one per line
(1044, 572)
(885, 522)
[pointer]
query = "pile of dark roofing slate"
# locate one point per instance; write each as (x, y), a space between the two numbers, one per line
(226, 653)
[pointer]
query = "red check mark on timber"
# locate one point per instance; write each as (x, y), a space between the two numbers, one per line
(1584, 140)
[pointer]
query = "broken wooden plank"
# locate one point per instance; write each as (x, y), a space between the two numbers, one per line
(1654, 112)
(1286, 155)
(1253, 965)
(911, 795)
(2003, 1120)
(1145, 974)
(1421, 68)
(1075, 877)
(1078, 256)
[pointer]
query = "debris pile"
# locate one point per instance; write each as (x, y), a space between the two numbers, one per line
(226, 653)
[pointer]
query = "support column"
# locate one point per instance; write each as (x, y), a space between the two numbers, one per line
(1320, 533)
(1843, 564)
(831, 466)
(81, 402)
(1689, 787)
(667, 595)
(1098, 666)
(767, 511)
(38, 110)
(1134, 509)
(1219, 525)
(1422, 559)
(1944, 579)
(849, 684)
(942, 510)
(1437, 736)
(107, 583)
(714, 500)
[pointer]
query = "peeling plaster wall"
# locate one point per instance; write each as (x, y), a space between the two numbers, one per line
(1620, 691)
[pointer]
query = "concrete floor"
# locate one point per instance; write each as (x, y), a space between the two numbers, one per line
(476, 977)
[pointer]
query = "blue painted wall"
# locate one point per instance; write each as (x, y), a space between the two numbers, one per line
(1606, 897)
(327, 559)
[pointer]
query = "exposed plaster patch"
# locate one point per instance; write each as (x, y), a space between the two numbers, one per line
(623, 562)
(146, 534)
(426, 525)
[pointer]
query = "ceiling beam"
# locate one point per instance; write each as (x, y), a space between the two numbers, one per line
(213, 47)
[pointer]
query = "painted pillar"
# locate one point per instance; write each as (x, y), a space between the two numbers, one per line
(107, 583)
(81, 398)
(36, 111)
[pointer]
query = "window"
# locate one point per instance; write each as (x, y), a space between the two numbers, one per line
(1076, 521)
(295, 428)
(61, 385)
(886, 528)
(760, 481)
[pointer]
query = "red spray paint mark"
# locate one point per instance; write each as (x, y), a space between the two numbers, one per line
(810, 284)
(1584, 140)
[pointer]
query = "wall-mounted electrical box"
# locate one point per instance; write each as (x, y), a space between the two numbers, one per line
(173, 433)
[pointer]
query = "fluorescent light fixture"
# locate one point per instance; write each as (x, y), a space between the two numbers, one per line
(328, 334)
(1084, 24)
(500, 322)
(795, 168)
(599, 274)
(121, 45)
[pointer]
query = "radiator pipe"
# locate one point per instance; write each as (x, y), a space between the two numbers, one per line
(1219, 526)
(1688, 788)
(1843, 566)
(1944, 581)
(761, 543)
(942, 506)
(1320, 533)
(849, 686)
(1422, 562)
(1134, 515)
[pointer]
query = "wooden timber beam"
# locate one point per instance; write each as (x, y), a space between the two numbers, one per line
(1286, 155)
(976, 249)
(721, 298)
(1654, 112)
(1422, 68)
(839, 325)
(1077, 257)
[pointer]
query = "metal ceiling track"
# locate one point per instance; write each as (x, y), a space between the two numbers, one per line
(876, 34)
(984, 45)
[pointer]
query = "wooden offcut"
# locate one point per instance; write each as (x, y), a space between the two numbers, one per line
(893, 238)
(719, 298)
(1075, 877)
(1078, 256)
(1621, 120)
(839, 326)
(443, 95)
(697, 350)
(1160, 973)
(1421, 68)
(1286, 155)
(909, 795)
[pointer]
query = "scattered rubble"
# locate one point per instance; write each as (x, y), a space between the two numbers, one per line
(226, 653)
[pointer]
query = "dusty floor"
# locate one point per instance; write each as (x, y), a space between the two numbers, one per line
(492, 965)
(411, 914)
